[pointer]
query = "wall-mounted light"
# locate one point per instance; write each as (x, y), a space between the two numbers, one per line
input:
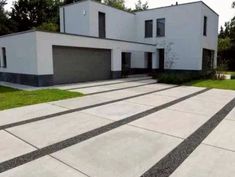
(84, 12)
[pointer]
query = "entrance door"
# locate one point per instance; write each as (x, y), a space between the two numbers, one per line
(126, 63)
(161, 56)
(102, 24)
(149, 62)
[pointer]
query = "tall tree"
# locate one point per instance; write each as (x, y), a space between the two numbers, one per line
(6, 25)
(32, 13)
(119, 4)
(141, 6)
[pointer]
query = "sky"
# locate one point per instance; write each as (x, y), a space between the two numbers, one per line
(222, 7)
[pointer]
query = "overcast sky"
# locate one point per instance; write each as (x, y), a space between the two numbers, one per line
(222, 7)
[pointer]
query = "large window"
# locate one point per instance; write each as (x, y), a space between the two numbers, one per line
(205, 26)
(161, 27)
(148, 28)
(4, 58)
(102, 25)
(208, 59)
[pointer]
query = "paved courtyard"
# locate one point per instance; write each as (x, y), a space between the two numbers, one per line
(122, 128)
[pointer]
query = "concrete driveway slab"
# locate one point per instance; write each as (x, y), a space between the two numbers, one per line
(207, 161)
(149, 88)
(231, 115)
(117, 111)
(50, 131)
(223, 136)
(180, 91)
(28, 112)
(118, 94)
(175, 123)
(97, 83)
(201, 107)
(81, 101)
(151, 100)
(11, 146)
(43, 167)
(122, 152)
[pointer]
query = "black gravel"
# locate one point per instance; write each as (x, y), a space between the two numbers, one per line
(98, 85)
(20, 160)
(167, 165)
(124, 88)
(55, 115)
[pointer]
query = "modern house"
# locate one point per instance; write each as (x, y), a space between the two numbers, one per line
(99, 42)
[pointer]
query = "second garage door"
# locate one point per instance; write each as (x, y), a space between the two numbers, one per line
(80, 64)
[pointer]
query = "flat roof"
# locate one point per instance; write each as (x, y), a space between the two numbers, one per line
(189, 3)
(69, 34)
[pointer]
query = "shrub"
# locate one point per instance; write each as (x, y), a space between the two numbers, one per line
(180, 77)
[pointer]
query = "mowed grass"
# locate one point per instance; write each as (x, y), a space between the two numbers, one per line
(219, 84)
(12, 98)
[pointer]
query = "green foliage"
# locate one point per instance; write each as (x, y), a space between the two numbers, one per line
(53, 27)
(6, 25)
(33, 13)
(141, 6)
(119, 4)
(224, 44)
(179, 77)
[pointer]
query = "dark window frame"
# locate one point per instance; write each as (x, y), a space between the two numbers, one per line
(159, 33)
(205, 21)
(148, 30)
(101, 34)
(4, 57)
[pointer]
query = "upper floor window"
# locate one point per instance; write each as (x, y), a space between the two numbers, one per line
(4, 58)
(205, 26)
(102, 25)
(161, 27)
(148, 28)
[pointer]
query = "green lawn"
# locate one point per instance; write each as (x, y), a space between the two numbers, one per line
(11, 98)
(220, 84)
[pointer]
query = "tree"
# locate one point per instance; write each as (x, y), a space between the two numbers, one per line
(33, 13)
(6, 25)
(72, 1)
(140, 6)
(119, 4)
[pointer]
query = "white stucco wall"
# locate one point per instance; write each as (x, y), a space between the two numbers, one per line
(183, 37)
(183, 41)
(210, 41)
(45, 41)
(76, 18)
(119, 24)
(21, 53)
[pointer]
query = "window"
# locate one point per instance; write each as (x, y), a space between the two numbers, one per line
(4, 58)
(148, 28)
(208, 59)
(205, 26)
(102, 25)
(161, 27)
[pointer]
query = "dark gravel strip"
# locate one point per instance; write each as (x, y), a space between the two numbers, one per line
(20, 160)
(168, 164)
(36, 119)
(124, 88)
(98, 85)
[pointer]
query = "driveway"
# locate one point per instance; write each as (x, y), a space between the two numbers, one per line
(123, 128)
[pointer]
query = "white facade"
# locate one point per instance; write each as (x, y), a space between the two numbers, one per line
(183, 41)
(29, 54)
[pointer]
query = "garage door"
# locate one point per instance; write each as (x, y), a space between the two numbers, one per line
(80, 64)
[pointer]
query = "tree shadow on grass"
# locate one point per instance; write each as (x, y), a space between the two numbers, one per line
(7, 90)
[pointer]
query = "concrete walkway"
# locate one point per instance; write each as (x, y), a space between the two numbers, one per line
(124, 128)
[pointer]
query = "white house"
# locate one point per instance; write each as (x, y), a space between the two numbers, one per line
(100, 42)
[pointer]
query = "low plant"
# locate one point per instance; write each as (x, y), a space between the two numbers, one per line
(180, 77)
